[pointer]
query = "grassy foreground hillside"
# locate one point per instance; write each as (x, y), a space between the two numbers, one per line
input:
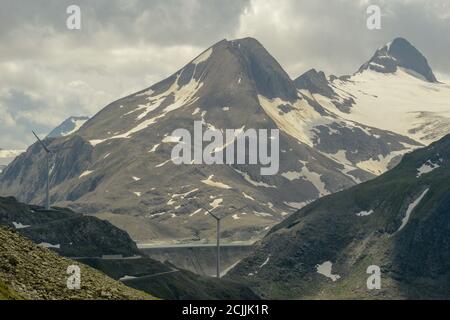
(87, 239)
(30, 272)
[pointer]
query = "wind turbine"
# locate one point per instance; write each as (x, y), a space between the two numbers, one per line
(47, 156)
(218, 219)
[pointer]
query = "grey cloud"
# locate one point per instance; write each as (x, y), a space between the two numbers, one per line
(332, 35)
(126, 45)
(164, 22)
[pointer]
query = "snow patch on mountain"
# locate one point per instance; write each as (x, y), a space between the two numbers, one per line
(171, 139)
(182, 96)
(195, 212)
(292, 175)
(427, 167)
(247, 196)
(295, 123)
(163, 163)
(216, 184)
(85, 174)
(411, 208)
(216, 203)
(49, 245)
(247, 178)
(325, 270)
(265, 261)
(364, 213)
(379, 165)
(153, 149)
(204, 56)
(19, 225)
(315, 179)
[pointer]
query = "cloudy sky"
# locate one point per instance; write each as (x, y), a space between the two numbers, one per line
(48, 72)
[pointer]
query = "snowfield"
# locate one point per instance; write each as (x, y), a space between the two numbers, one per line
(398, 102)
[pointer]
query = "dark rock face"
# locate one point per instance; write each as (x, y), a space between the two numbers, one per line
(400, 53)
(270, 78)
(315, 82)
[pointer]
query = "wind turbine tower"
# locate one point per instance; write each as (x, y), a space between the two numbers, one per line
(218, 219)
(47, 156)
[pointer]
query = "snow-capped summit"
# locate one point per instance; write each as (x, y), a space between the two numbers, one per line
(400, 54)
(395, 90)
(67, 127)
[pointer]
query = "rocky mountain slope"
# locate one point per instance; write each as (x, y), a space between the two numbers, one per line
(118, 165)
(28, 271)
(400, 54)
(399, 222)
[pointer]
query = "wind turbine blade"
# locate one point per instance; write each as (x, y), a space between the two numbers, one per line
(212, 214)
(42, 143)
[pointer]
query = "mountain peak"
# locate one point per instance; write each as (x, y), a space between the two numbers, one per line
(400, 53)
(316, 82)
(242, 62)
